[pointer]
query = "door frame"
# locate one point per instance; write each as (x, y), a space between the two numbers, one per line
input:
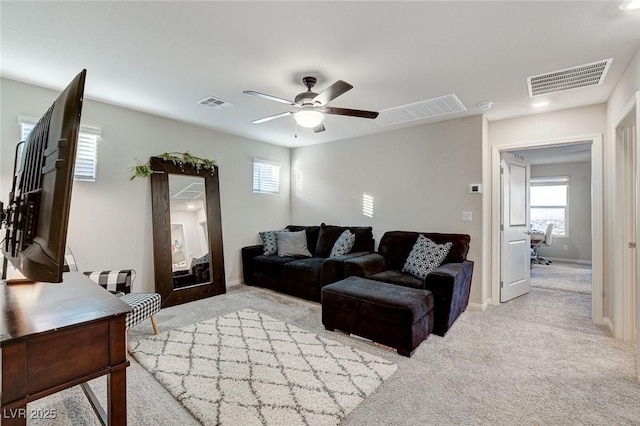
(625, 321)
(597, 214)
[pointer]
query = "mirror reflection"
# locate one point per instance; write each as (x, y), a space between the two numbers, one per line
(189, 239)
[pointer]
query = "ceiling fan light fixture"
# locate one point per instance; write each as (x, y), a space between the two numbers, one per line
(308, 118)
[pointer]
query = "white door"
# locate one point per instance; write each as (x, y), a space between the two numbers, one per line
(516, 240)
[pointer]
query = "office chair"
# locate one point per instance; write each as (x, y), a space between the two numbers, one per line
(537, 240)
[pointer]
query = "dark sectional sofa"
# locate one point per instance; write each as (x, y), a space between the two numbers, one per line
(305, 276)
(450, 283)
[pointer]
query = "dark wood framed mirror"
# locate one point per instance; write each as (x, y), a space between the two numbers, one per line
(187, 232)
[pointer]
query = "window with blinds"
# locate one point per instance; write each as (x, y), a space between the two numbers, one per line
(549, 204)
(266, 177)
(87, 149)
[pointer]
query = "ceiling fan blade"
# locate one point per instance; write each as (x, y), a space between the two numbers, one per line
(349, 112)
(319, 128)
(268, 97)
(272, 117)
(332, 92)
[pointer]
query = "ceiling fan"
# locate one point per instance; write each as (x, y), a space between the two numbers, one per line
(312, 106)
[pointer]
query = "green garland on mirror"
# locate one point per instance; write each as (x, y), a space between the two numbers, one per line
(177, 158)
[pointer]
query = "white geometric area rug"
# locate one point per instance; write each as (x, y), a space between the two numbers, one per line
(247, 368)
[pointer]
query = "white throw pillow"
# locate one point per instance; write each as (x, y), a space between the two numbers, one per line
(292, 244)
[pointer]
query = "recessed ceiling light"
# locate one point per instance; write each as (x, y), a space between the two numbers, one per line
(540, 104)
(485, 106)
(630, 5)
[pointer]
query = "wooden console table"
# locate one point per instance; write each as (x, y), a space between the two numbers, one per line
(57, 335)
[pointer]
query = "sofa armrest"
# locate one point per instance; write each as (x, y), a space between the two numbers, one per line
(333, 267)
(248, 253)
(364, 266)
(450, 285)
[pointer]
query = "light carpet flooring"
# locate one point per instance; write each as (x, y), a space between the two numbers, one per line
(564, 276)
(535, 360)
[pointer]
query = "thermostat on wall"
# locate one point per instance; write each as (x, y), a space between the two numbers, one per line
(475, 188)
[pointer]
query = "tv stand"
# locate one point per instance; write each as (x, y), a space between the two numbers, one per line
(57, 335)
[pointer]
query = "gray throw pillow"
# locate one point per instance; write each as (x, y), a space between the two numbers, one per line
(425, 257)
(344, 244)
(292, 244)
(269, 241)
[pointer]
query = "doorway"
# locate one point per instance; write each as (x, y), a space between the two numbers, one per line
(596, 143)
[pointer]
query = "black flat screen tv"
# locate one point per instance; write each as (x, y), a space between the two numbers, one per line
(37, 215)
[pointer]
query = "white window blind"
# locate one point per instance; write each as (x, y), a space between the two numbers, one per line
(266, 177)
(86, 153)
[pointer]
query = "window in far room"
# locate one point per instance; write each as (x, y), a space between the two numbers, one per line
(87, 150)
(550, 203)
(266, 177)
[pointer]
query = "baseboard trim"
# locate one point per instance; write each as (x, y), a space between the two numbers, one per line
(607, 322)
(559, 259)
(479, 307)
(233, 283)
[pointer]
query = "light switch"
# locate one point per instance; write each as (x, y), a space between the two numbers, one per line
(467, 216)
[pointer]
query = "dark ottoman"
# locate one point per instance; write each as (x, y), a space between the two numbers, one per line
(396, 316)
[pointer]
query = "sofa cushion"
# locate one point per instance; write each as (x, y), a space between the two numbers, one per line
(395, 276)
(329, 234)
(344, 244)
(292, 244)
(304, 270)
(425, 257)
(270, 241)
(271, 265)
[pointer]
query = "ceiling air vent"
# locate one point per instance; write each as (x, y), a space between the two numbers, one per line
(213, 102)
(443, 105)
(571, 78)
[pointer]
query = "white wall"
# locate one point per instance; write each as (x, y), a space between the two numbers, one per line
(551, 125)
(419, 179)
(110, 224)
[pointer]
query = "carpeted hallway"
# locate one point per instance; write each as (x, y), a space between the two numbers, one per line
(535, 360)
(564, 276)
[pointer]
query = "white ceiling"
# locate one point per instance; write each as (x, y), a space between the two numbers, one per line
(162, 57)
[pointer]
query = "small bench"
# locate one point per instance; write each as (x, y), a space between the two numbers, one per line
(395, 316)
(143, 305)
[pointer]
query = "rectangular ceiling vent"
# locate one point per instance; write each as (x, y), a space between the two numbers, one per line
(435, 107)
(567, 79)
(213, 102)
(193, 191)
